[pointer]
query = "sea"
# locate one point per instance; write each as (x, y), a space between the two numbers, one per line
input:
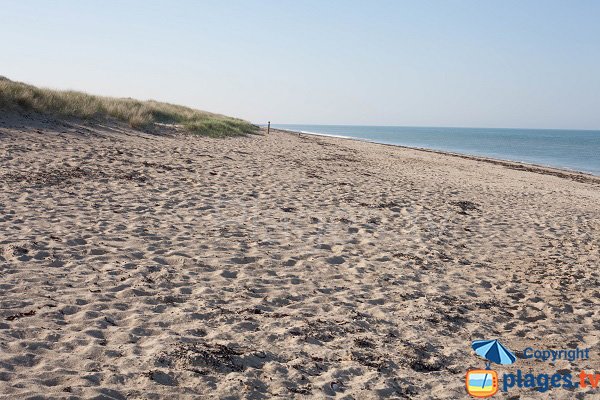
(576, 150)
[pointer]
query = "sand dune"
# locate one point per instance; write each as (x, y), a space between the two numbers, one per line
(173, 266)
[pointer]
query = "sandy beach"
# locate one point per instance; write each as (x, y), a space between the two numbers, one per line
(165, 265)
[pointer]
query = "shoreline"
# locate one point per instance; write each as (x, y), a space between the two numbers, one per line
(574, 175)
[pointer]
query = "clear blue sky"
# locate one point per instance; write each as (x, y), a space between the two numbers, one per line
(435, 63)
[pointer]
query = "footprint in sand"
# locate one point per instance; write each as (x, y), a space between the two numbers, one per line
(336, 260)
(229, 274)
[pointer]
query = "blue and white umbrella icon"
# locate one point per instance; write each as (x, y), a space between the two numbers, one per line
(494, 351)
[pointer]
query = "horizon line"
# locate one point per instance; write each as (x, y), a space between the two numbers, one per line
(437, 126)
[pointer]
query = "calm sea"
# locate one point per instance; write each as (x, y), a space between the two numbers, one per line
(568, 149)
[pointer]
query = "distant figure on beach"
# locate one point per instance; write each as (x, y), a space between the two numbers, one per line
(268, 127)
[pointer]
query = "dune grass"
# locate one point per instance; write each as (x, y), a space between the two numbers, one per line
(138, 114)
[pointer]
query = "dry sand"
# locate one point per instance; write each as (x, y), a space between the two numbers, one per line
(146, 266)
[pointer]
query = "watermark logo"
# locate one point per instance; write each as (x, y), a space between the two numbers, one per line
(484, 382)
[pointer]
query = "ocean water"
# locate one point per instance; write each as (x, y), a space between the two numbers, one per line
(567, 149)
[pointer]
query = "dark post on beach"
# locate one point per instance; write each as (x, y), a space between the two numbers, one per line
(268, 127)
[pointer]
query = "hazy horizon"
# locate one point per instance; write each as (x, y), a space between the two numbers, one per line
(509, 64)
(427, 126)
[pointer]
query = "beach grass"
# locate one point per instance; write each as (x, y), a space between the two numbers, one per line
(138, 114)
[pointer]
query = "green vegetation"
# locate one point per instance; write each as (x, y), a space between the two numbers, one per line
(138, 114)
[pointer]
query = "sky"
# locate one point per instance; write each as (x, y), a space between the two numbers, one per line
(503, 63)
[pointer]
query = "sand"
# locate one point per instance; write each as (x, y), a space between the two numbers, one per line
(150, 266)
